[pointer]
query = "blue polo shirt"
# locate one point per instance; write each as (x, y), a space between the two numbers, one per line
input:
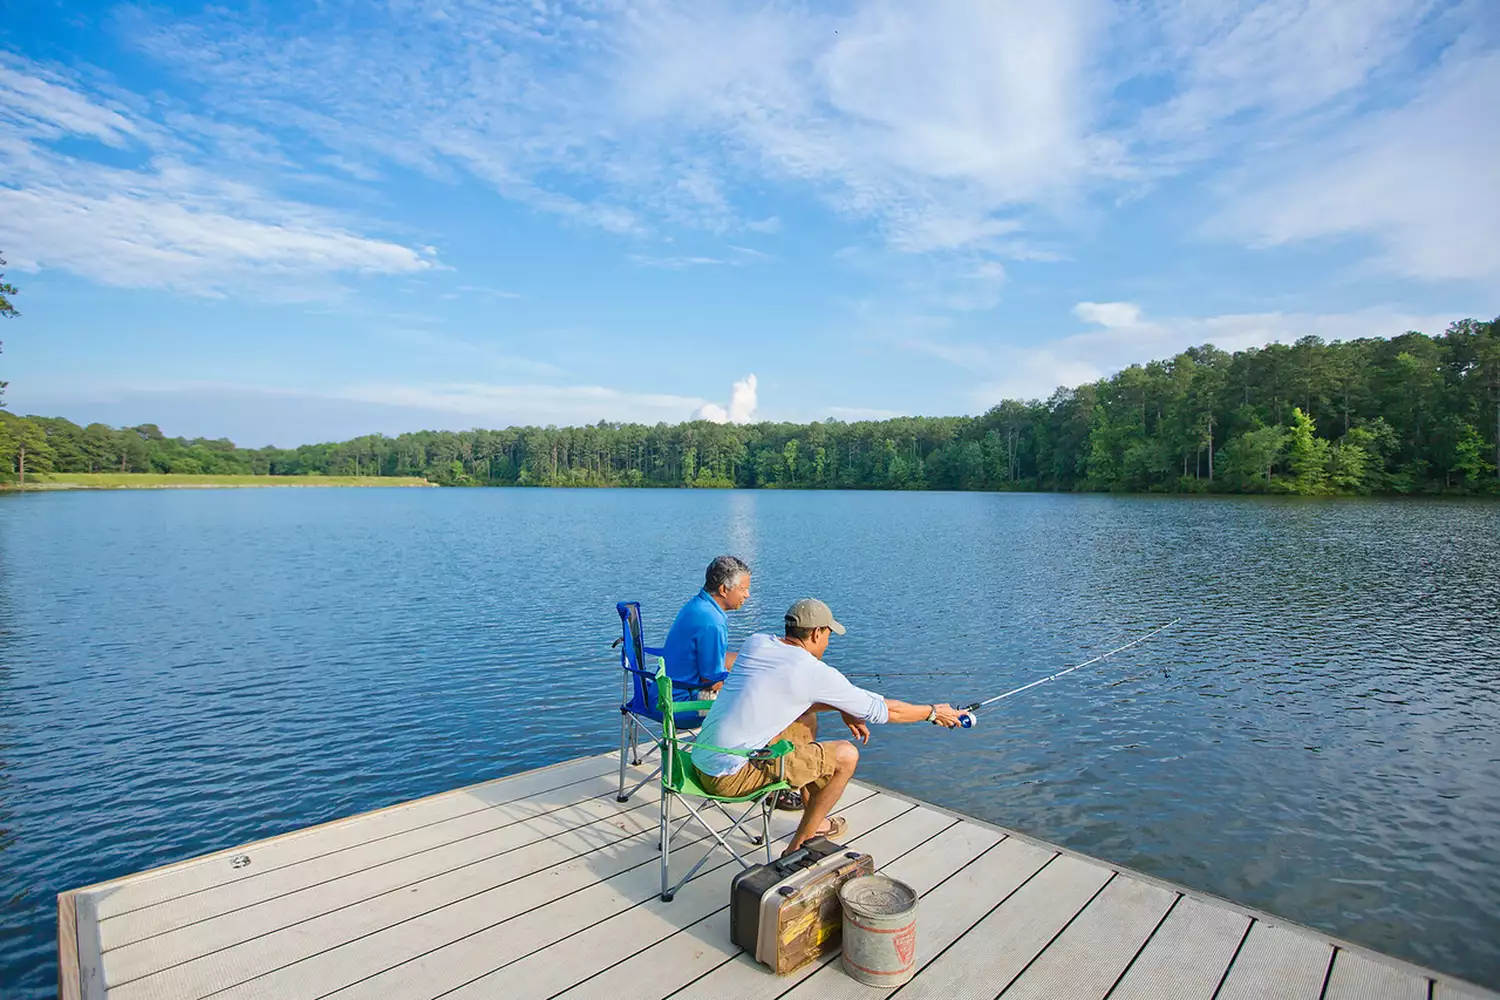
(695, 647)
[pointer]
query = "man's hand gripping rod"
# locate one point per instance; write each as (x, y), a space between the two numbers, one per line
(970, 712)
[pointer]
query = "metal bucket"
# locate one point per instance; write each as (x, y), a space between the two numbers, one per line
(880, 930)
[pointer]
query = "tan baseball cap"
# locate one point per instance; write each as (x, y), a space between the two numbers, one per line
(812, 613)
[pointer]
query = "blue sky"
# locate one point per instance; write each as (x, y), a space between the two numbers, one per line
(313, 220)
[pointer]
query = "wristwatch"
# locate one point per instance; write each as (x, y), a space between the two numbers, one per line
(932, 715)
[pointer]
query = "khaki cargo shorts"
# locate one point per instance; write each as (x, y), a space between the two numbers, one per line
(809, 764)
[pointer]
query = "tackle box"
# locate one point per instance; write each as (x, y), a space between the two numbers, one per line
(787, 913)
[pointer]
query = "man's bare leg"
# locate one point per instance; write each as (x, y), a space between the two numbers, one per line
(809, 719)
(822, 800)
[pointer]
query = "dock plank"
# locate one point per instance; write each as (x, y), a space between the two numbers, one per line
(689, 953)
(197, 874)
(453, 842)
(1448, 990)
(1355, 977)
(547, 971)
(1277, 963)
(68, 964)
(1187, 956)
(428, 914)
(540, 884)
(409, 959)
(981, 963)
(1087, 958)
(948, 908)
(503, 856)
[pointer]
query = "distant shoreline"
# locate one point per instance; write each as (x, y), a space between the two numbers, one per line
(44, 482)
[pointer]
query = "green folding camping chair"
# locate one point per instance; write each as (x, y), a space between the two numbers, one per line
(680, 780)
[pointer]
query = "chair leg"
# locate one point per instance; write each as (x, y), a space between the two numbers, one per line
(635, 742)
(621, 795)
(639, 785)
(666, 847)
(765, 825)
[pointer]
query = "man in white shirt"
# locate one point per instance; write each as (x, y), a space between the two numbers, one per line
(778, 686)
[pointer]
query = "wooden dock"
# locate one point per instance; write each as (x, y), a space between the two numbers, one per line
(542, 885)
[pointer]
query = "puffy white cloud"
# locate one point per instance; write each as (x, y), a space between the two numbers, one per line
(742, 404)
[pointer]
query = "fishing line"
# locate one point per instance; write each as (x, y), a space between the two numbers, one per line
(970, 712)
(880, 676)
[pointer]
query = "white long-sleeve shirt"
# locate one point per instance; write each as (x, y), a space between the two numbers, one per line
(771, 685)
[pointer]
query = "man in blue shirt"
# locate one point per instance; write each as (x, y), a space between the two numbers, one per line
(697, 648)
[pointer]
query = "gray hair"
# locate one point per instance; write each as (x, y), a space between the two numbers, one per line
(724, 571)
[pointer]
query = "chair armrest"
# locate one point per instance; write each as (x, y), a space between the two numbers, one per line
(775, 751)
(691, 706)
(653, 651)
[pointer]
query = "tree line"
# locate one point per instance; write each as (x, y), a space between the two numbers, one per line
(1406, 414)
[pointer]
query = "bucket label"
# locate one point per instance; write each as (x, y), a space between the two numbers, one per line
(906, 943)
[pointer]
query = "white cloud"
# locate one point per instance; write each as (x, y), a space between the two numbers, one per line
(257, 414)
(487, 292)
(1418, 181)
(734, 256)
(964, 133)
(863, 413)
(40, 103)
(742, 404)
(1250, 69)
(1126, 337)
(135, 239)
(503, 405)
(167, 223)
(471, 355)
(1108, 313)
(938, 125)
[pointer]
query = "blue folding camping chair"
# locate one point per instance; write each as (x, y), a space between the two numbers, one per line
(639, 711)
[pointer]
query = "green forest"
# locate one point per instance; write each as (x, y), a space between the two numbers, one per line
(1406, 414)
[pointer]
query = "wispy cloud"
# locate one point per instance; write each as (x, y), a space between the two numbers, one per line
(1124, 336)
(961, 131)
(1258, 71)
(1417, 182)
(733, 256)
(167, 223)
(863, 413)
(499, 405)
(469, 355)
(42, 104)
(489, 293)
(288, 416)
(961, 134)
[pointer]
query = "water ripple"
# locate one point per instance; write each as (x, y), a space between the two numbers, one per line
(182, 672)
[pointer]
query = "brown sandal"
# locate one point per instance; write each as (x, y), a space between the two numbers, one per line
(837, 827)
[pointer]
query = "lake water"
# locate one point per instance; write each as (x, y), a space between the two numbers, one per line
(182, 671)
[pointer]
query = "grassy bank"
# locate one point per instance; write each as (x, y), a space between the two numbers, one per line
(151, 480)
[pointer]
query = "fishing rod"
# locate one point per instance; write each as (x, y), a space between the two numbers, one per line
(970, 713)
